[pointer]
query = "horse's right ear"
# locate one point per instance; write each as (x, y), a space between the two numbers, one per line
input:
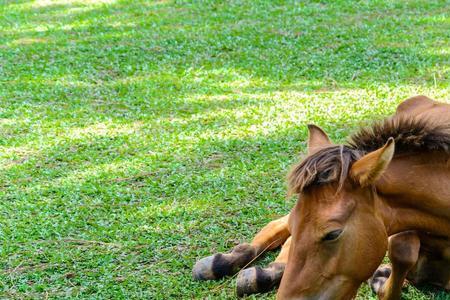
(369, 168)
(317, 139)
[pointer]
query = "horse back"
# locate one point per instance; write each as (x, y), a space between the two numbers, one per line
(424, 107)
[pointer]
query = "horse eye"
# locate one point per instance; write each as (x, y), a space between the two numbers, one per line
(332, 235)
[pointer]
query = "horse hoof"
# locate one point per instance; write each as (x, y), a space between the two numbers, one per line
(220, 265)
(379, 278)
(259, 280)
(203, 269)
(247, 282)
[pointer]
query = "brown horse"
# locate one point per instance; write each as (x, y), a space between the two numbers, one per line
(390, 180)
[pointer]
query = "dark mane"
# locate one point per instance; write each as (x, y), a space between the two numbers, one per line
(411, 135)
(332, 164)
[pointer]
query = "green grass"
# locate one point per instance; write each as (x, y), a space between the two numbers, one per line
(139, 136)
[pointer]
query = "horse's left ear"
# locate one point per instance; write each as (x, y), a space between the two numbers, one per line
(369, 168)
(317, 139)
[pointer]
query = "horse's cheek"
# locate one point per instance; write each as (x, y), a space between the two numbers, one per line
(371, 247)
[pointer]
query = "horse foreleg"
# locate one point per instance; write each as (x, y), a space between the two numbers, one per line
(260, 280)
(433, 265)
(219, 265)
(272, 236)
(403, 253)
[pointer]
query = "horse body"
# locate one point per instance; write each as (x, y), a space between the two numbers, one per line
(415, 194)
(419, 180)
(351, 199)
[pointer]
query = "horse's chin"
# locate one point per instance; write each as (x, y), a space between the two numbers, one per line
(341, 288)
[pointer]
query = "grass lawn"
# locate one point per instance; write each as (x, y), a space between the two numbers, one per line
(139, 136)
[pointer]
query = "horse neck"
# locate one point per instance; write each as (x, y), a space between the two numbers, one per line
(414, 194)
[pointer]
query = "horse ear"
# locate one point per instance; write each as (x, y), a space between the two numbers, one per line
(317, 139)
(369, 168)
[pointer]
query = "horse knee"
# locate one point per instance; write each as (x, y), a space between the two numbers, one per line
(404, 249)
